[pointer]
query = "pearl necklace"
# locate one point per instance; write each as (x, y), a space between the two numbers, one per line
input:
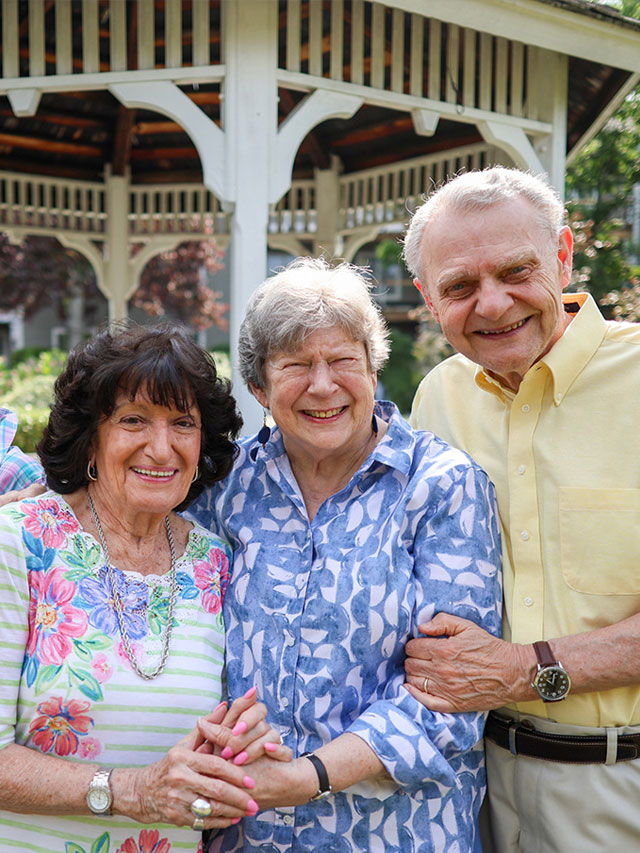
(117, 600)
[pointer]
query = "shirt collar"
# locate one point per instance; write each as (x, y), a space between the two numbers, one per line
(568, 356)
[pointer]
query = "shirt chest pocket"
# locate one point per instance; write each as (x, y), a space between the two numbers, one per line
(600, 540)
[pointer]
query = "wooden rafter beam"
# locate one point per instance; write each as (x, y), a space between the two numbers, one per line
(50, 146)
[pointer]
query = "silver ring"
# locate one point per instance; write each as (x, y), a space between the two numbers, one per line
(198, 824)
(201, 807)
(425, 686)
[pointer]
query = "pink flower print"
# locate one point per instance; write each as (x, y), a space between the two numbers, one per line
(102, 668)
(89, 748)
(52, 618)
(149, 841)
(212, 577)
(48, 521)
(139, 653)
(58, 726)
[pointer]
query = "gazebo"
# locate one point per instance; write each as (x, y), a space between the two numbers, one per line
(300, 125)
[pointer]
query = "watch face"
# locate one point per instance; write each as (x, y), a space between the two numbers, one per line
(99, 800)
(552, 683)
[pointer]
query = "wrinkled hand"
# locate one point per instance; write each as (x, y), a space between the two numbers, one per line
(163, 792)
(20, 494)
(243, 735)
(468, 669)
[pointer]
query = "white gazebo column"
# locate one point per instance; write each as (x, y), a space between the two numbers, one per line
(553, 80)
(249, 121)
(327, 201)
(118, 286)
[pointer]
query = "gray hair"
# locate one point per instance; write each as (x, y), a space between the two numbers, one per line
(305, 296)
(472, 191)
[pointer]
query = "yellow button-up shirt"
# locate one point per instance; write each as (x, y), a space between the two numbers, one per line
(564, 455)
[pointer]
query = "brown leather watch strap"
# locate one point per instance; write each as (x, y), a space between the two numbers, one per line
(544, 654)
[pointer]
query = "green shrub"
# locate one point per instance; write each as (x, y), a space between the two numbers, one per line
(401, 374)
(223, 363)
(27, 388)
(31, 424)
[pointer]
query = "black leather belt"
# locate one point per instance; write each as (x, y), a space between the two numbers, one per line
(520, 738)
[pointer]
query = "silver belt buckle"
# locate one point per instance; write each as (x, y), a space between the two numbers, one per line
(512, 737)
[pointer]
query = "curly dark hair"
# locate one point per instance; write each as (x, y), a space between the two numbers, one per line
(169, 367)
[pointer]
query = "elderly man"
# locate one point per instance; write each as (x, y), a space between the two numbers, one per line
(544, 395)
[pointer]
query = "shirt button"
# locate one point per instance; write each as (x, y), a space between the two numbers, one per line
(524, 535)
(285, 702)
(558, 398)
(288, 640)
(288, 819)
(526, 407)
(528, 601)
(521, 469)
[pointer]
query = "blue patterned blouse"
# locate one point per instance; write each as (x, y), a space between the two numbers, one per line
(317, 616)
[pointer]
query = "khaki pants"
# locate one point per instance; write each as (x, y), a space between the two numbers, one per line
(537, 806)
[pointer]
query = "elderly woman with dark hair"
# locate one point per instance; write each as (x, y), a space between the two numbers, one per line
(111, 631)
(348, 530)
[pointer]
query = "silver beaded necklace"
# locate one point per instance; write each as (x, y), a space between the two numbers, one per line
(117, 600)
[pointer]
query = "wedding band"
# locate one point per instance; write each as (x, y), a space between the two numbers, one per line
(198, 824)
(425, 686)
(201, 807)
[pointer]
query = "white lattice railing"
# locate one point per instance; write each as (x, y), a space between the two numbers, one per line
(175, 209)
(295, 213)
(37, 37)
(370, 44)
(51, 204)
(371, 197)
(387, 194)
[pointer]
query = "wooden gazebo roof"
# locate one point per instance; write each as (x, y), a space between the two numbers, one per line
(74, 134)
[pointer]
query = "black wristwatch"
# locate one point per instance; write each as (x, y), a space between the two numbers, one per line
(324, 788)
(551, 680)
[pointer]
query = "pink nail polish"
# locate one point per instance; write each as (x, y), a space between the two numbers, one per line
(221, 705)
(250, 692)
(227, 752)
(248, 782)
(270, 747)
(236, 820)
(252, 807)
(239, 728)
(240, 758)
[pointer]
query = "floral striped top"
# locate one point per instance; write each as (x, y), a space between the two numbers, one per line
(66, 685)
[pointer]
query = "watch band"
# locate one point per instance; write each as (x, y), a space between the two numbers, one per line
(324, 788)
(544, 654)
(99, 797)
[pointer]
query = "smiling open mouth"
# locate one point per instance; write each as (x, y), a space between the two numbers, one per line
(502, 331)
(159, 474)
(326, 413)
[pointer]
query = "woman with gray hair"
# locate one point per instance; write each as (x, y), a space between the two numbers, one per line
(348, 531)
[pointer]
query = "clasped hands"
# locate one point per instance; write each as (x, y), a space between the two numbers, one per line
(209, 763)
(466, 668)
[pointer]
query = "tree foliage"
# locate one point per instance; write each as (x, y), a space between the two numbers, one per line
(40, 272)
(600, 183)
(174, 283)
